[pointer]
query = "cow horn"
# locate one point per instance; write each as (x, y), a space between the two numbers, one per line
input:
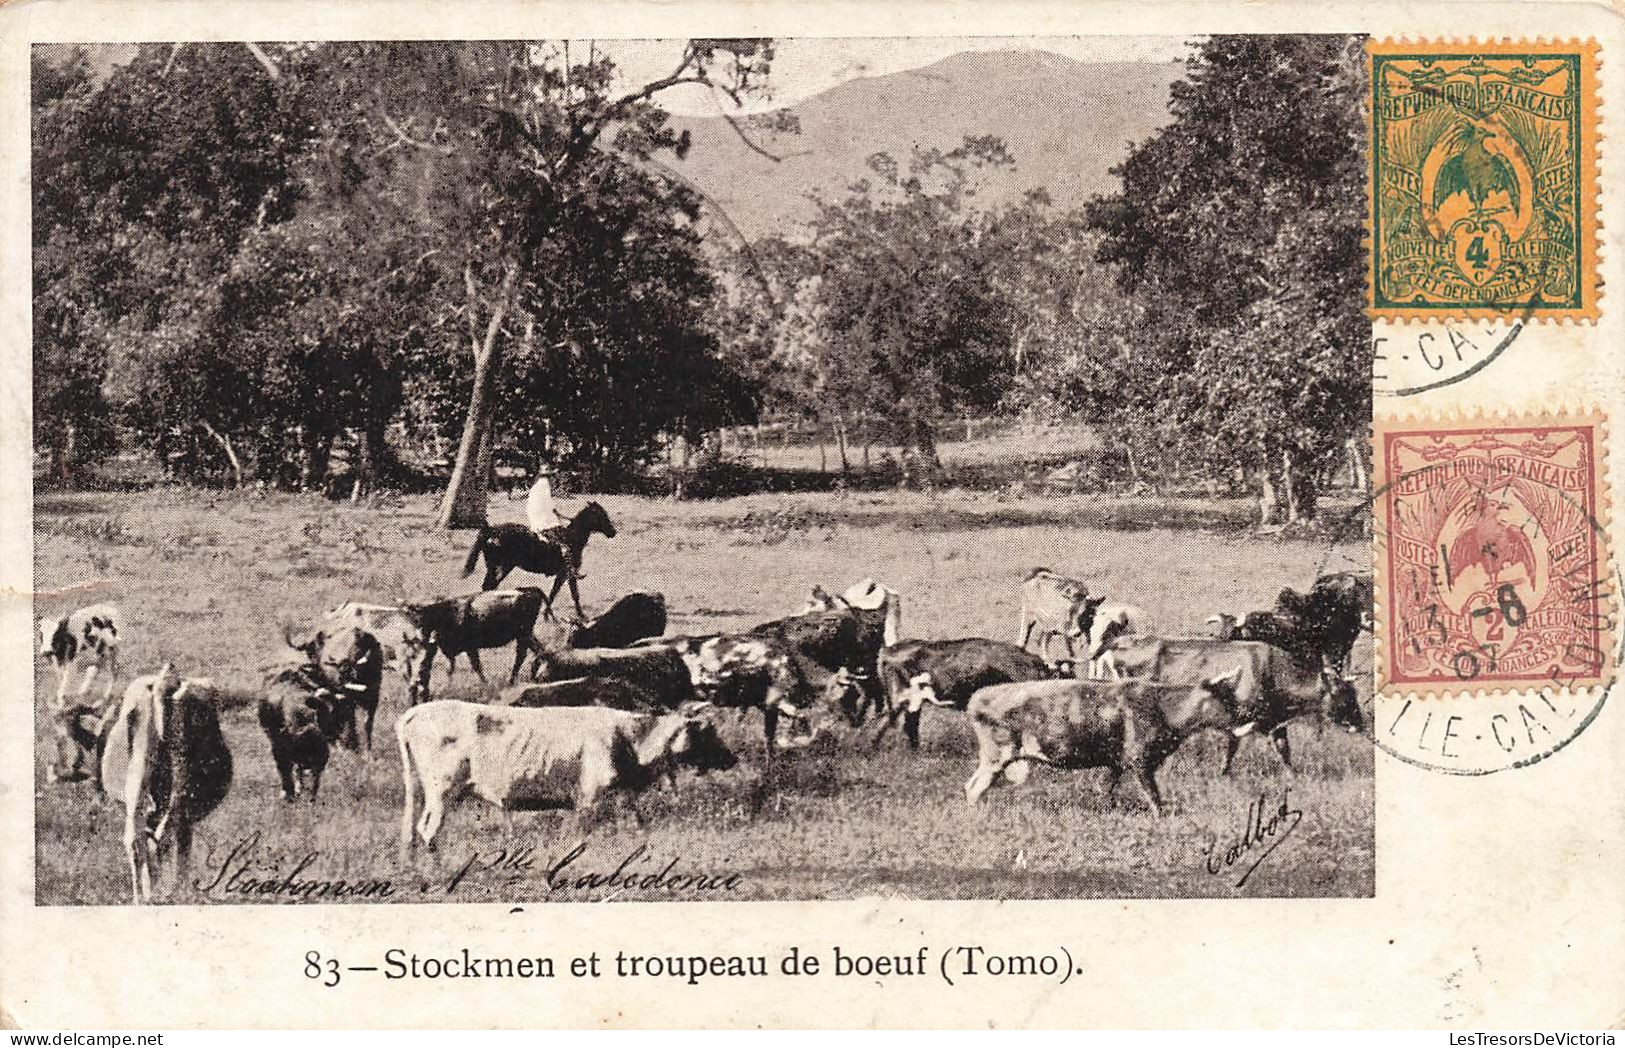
(354, 686)
(1244, 730)
(933, 700)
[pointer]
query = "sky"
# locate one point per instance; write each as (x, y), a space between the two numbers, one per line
(806, 66)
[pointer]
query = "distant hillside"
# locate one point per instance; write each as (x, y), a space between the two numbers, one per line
(1066, 122)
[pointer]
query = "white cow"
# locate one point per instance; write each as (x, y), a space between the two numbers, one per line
(515, 757)
(863, 595)
(1055, 606)
(88, 637)
(1112, 621)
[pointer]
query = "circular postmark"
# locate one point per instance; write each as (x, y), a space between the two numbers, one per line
(1495, 638)
(1411, 359)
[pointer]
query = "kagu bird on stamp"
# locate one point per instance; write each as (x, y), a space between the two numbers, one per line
(1496, 569)
(1483, 179)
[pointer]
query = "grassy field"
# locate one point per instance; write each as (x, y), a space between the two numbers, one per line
(205, 581)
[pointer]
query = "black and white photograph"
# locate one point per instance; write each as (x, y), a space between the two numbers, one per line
(687, 470)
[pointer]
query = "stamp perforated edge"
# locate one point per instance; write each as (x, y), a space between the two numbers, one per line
(1457, 420)
(1590, 233)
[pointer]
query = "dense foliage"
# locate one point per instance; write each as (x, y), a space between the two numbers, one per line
(252, 254)
(1238, 233)
(248, 257)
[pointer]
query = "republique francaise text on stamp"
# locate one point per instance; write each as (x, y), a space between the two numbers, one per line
(1495, 573)
(1483, 179)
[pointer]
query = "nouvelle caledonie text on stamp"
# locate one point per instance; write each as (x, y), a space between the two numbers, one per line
(1494, 566)
(1483, 179)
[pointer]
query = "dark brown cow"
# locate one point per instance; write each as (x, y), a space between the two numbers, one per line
(1322, 624)
(917, 673)
(302, 717)
(1121, 725)
(660, 672)
(353, 660)
(609, 692)
(835, 641)
(627, 621)
(80, 731)
(465, 626)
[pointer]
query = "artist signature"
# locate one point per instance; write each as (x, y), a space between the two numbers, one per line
(1263, 832)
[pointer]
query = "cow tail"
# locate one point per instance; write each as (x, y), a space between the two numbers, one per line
(475, 551)
(408, 783)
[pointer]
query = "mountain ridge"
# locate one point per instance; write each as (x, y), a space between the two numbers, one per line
(1067, 123)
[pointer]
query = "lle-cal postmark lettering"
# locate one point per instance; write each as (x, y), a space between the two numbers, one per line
(1495, 573)
(1483, 179)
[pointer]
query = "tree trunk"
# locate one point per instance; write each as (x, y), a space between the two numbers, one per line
(488, 457)
(679, 488)
(1290, 486)
(823, 451)
(231, 454)
(464, 503)
(1359, 464)
(317, 446)
(924, 439)
(1302, 488)
(377, 459)
(840, 443)
(375, 455)
(62, 455)
(1269, 494)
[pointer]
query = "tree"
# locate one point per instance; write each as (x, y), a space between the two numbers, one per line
(170, 164)
(1238, 230)
(511, 135)
(72, 418)
(637, 357)
(262, 246)
(908, 319)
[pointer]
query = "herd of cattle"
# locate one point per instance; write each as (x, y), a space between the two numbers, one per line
(612, 705)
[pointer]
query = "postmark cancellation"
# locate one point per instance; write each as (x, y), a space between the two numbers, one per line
(1483, 179)
(1493, 566)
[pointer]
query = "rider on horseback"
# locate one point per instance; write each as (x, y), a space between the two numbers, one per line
(544, 516)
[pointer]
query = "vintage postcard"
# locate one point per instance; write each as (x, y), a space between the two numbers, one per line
(698, 515)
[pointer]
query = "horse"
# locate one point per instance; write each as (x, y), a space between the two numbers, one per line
(555, 552)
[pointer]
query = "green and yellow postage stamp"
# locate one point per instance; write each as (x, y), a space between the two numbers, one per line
(1483, 179)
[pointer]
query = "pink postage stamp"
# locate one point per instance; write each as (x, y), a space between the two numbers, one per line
(1495, 572)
